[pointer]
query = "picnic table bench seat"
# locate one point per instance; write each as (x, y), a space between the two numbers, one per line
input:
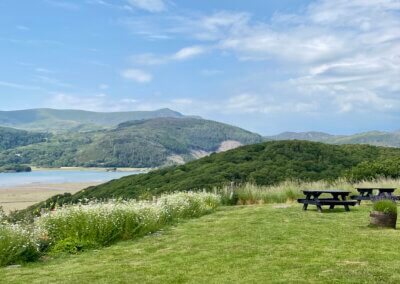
(332, 203)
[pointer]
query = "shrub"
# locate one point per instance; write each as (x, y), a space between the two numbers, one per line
(3, 215)
(17, 245)
(386, 206)
(77, 227)
(387, 168)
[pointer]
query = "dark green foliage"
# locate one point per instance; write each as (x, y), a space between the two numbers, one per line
(369, 170)
(13, 138)
(15, 169)
(263, 164)
(386, 206)
(145, 143)
(72, 246)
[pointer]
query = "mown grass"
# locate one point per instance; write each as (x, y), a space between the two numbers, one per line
(243, 244)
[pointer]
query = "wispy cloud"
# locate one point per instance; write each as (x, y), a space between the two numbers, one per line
(110, 4)
(188, 52)
(181, 55)
(154, 6)
(137, 75)
(63, 4)
(41, 79)
(19, 86)
(43, 70)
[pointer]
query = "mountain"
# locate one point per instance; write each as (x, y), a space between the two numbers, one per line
(140, 143)
(266, 163)
(377, 138)
(13, 138)
(309, 136)
(55, 120)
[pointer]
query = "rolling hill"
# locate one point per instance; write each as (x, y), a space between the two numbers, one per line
(377, 138)
(140, 143)
(55, 120)
(13, 138)
(266, 163)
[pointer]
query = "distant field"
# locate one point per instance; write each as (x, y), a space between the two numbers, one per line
(242, 244)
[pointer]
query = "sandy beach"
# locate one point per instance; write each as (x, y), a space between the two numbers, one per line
(20, 197)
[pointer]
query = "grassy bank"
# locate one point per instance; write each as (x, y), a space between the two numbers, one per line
(242, 244)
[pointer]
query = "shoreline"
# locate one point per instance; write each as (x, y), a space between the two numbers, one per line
(144, 170)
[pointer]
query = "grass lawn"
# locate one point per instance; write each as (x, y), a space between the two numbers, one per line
(242, 244)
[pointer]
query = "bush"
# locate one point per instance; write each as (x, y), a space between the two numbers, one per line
(76, 227)
(17, 245)
(387, 168)
(386, 206)
(3, 216)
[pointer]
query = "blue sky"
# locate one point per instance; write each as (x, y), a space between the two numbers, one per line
(267, 66)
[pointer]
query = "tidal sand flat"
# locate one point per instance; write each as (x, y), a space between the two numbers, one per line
(21, 196)
(20, 190)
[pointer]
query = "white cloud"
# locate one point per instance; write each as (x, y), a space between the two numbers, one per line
(342, 54)
(188, 52)
(137, 75)
(153, 6)
(181, 55)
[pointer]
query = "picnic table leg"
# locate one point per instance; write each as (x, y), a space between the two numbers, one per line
(331, 207)
(319, 208)
(305, 205)
(346, 207)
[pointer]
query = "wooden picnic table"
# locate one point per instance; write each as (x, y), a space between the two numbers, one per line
(367, 193)
(338, 198)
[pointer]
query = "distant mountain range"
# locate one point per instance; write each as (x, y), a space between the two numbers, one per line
(377, 138)
(55, 138)
(137, 143)
(54, 120)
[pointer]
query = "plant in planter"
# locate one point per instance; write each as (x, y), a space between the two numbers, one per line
(384, 213)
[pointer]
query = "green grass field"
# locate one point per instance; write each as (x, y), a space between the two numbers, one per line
(242, 244)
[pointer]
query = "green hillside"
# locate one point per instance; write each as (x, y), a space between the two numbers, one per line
(263, 164)
(376, 138)
(13, 138)
(141, 143)
(74, 120)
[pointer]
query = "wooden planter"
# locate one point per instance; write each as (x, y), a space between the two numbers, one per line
(381, 219)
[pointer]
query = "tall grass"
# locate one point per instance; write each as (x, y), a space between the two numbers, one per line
(78, 227)
(290, 190)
